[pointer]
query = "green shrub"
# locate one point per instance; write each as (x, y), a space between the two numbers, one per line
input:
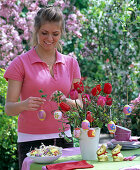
(8, 132)
(110, 49)
(8, 142)
(3, 90)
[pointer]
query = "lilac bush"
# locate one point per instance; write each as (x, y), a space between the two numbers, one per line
(16, 25)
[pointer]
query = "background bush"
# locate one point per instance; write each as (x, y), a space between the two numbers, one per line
(8, 132)
(110, 50)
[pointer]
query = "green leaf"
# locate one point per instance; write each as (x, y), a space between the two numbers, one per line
(44, 96)
(67, 139)
(131, 9)
(41, 91)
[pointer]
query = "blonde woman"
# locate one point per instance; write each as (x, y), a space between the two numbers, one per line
(42, 67)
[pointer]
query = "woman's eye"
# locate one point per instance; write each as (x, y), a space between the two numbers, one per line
(44, 33)
(55, 34)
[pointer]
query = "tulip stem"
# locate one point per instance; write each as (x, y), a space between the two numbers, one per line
(110, 114)
(127, 95)
(77, 106)
(58, 100)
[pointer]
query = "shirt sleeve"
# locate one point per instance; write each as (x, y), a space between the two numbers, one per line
(76, 70)
(15, 70)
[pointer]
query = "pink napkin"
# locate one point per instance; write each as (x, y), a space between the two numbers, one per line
(136, 167)
(69, 166)
(26, 164)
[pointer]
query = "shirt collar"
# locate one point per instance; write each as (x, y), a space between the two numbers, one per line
(34, 58)
(59, 58)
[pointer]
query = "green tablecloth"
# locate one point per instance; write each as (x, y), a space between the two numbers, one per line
(109, 165)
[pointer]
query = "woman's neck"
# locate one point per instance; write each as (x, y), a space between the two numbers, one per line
(46, 56)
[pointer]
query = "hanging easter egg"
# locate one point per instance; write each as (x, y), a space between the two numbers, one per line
(127, 110)
(111, 127)
(91, 132)
(77, 132)
(57, 114)
(85, 125)
(41, 115)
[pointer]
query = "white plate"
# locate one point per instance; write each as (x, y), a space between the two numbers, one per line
(124, 147)
(45, 159)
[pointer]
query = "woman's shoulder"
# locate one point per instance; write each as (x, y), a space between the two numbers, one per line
(23, 57)
(25, 54)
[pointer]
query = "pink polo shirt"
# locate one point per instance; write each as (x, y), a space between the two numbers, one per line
(35, 75)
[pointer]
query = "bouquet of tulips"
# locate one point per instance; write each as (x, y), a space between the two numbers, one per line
(96, 106)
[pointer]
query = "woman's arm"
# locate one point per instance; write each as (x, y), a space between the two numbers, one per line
(78, 101)
(13, 107)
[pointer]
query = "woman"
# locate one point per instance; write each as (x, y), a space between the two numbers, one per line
(41, 68)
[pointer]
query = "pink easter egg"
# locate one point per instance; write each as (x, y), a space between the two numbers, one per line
(77, 132)
(111, 127)
(127, 110)
(85, 125)
(41, 115)
(57, 114)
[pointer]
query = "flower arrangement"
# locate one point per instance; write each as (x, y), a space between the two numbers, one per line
(96, 110)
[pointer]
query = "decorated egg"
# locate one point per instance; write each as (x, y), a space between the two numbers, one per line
(33, 153)
(127, 110)
(77, 132)
(41, 115)
(85, 125)
(91, 132)
(111, 127)
(57, 114)
(55, 152)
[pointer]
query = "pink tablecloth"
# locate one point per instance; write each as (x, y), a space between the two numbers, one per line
(66, 152)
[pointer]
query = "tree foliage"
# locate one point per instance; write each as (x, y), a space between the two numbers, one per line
(8, 131)
(109, 49)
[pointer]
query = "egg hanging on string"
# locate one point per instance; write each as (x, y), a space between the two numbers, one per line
(41, 115)
(111, 127)
(77, 132)
(127, 110)
(91, 132)
(57, 114)
(85, 125)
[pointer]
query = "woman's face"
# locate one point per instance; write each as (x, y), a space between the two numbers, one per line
(49, 34)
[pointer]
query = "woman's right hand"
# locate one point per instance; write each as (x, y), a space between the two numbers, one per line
(33, 103)
(14, 107)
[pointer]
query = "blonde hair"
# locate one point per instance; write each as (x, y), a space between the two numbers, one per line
(50, 14)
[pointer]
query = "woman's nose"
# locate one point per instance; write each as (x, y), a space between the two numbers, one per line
(50, 37)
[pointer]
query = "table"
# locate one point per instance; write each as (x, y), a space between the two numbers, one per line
(73, 154)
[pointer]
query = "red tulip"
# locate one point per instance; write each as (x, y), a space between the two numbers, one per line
(89, 117)
(108, 100)
(79, 86)
(96, 90)
(107, 88)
